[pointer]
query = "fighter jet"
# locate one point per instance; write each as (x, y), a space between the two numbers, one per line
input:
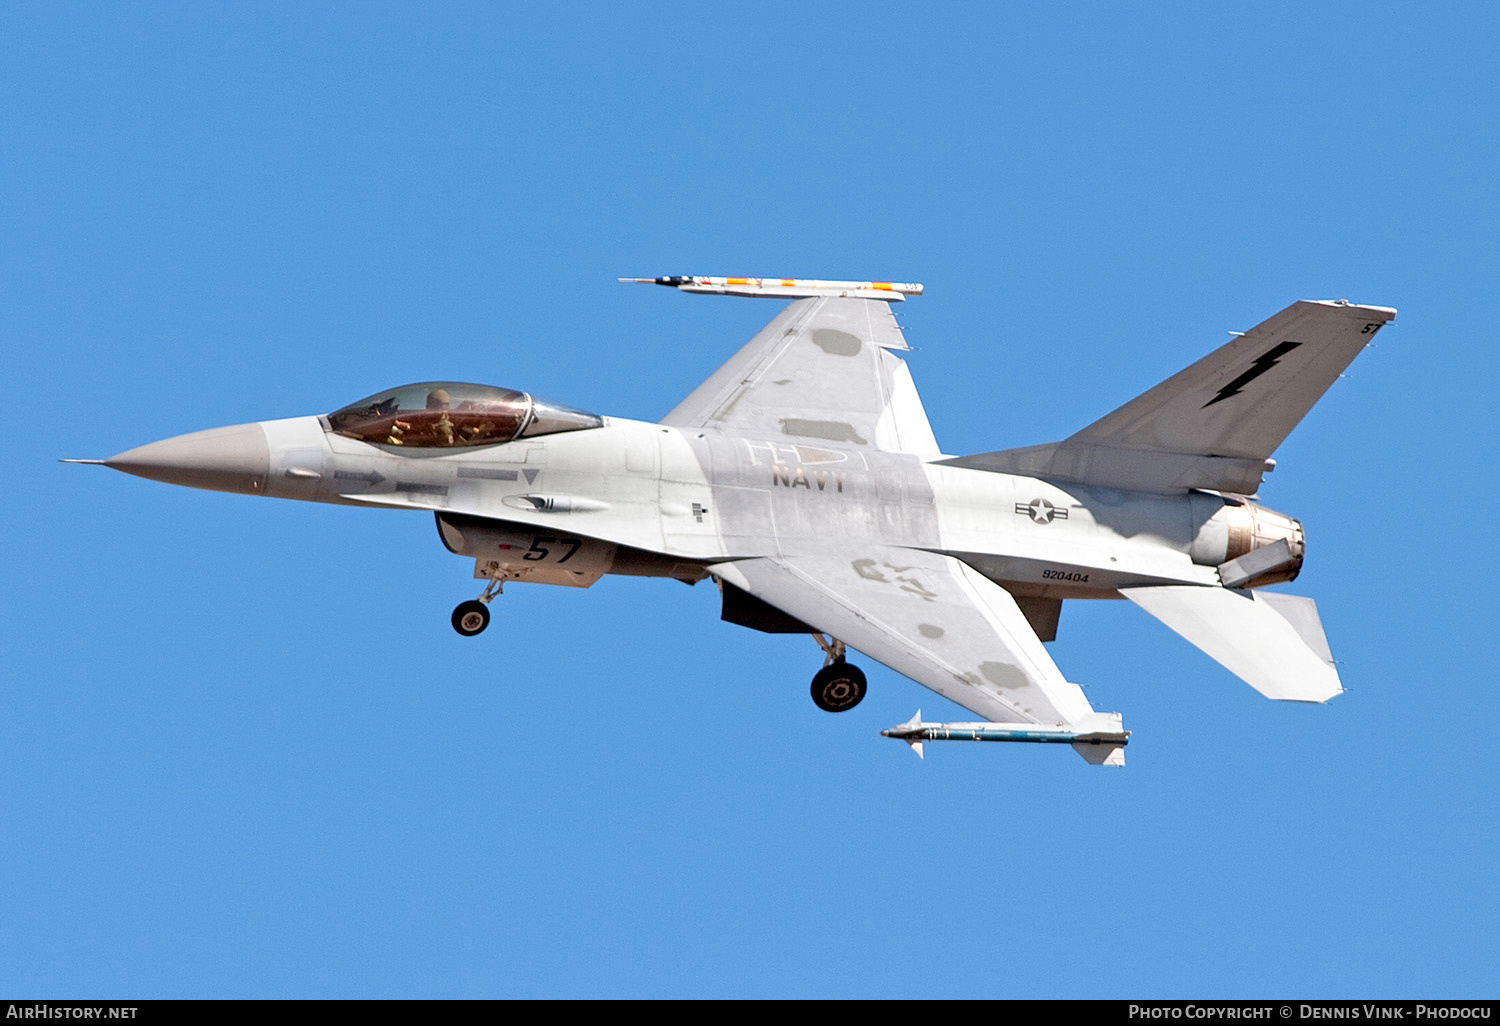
(803, 479)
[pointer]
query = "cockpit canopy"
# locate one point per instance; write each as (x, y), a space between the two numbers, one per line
(444, 414)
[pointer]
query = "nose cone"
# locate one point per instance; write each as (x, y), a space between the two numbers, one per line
(227, 459)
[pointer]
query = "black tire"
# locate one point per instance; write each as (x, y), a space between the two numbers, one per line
(471, 617)
(838, 687)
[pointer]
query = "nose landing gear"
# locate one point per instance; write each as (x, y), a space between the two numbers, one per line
(473, 616)
(838, 686)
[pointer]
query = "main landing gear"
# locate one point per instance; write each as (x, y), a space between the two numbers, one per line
(838, 686)
(473, 616)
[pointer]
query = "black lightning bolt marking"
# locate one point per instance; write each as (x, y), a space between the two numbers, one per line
(1257, 368)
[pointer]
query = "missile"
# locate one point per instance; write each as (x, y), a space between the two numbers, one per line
(784, 288)
(1104, 744)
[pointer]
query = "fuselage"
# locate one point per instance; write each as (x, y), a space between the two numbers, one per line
(644, 499)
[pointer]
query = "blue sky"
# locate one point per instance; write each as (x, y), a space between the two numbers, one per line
(246, 755)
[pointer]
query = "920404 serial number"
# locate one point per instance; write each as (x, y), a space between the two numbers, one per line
(1065, 575)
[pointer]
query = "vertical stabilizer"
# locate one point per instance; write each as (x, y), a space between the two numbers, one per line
(1215, 424)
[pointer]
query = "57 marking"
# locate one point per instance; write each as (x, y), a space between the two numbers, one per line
(541, 548)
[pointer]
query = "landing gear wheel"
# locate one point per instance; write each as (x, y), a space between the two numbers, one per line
(471, 617)
(838, 687)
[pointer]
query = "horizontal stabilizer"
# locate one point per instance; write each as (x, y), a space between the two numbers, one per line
(1272, 642)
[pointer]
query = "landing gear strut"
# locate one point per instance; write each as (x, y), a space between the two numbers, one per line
(838, 686)
(473, 616)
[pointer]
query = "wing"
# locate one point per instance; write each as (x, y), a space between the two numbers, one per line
(823, 368)
(929, 617)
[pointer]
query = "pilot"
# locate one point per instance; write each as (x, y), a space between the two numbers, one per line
(439, 402)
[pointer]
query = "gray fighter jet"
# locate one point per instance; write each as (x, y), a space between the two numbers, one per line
(803, 479)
